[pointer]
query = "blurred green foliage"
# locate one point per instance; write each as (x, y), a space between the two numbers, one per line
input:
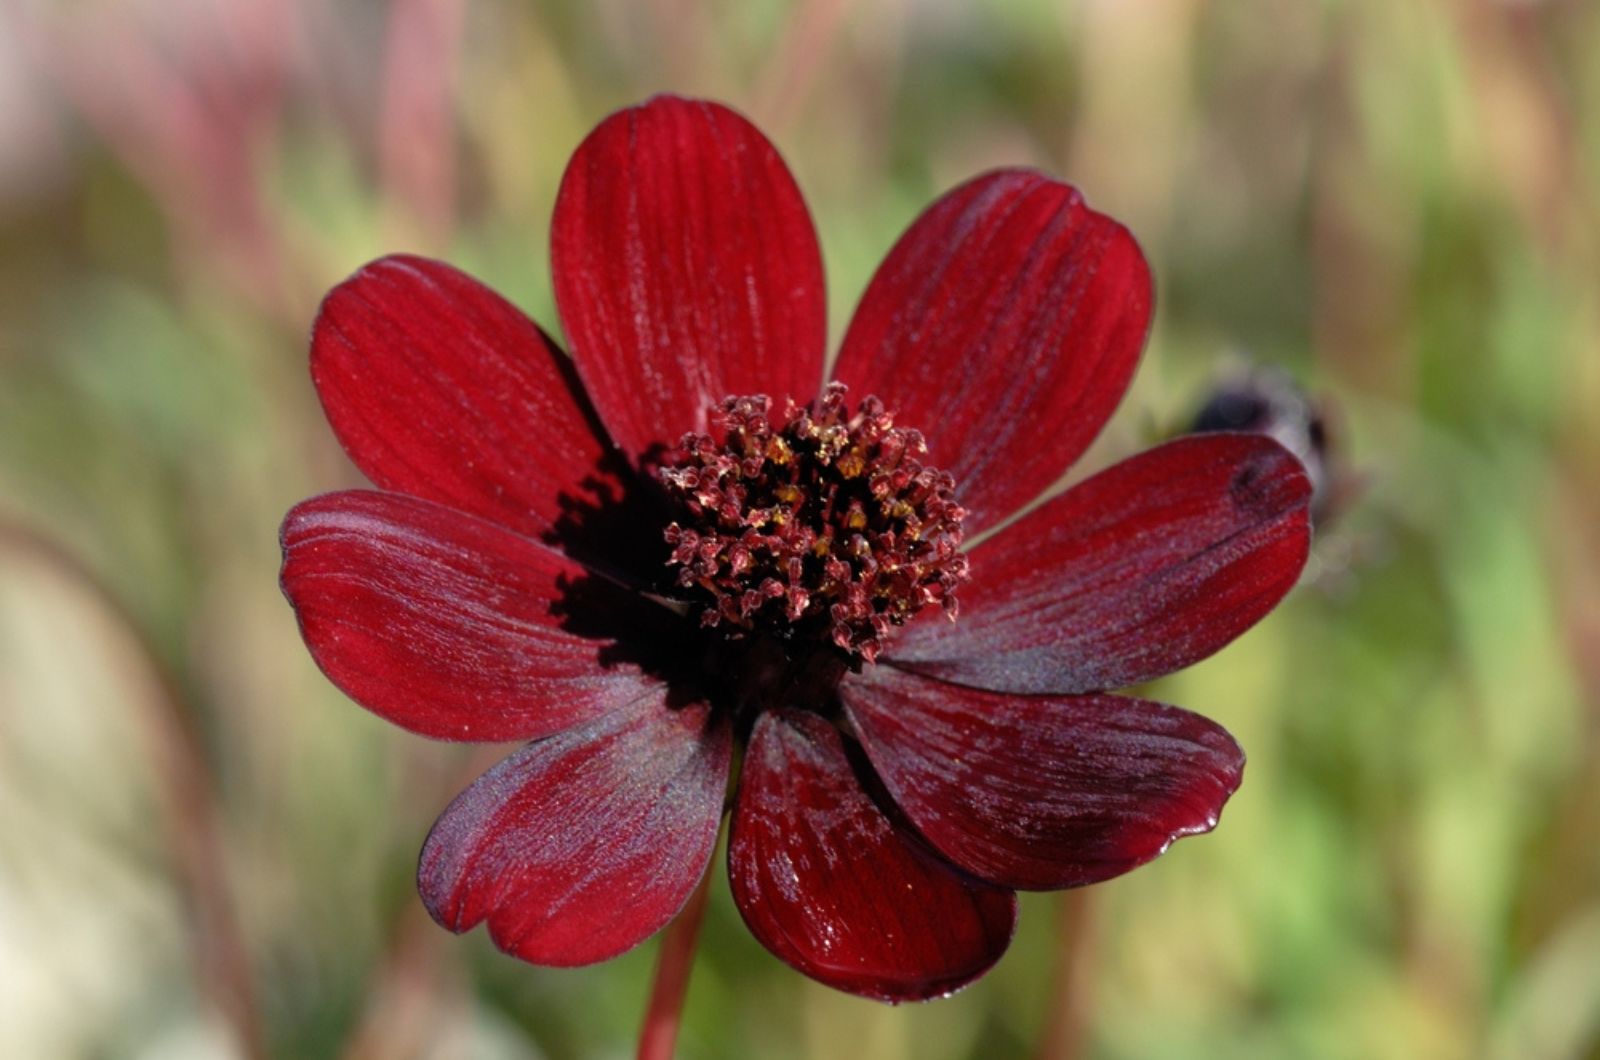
(203, 844)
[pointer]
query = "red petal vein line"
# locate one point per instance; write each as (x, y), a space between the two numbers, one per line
(451, 626)
(1149, 566)
(1005, 325)
(686, 270)
(1042, 792)
(438, 387)
(579, 847)
(830, 885)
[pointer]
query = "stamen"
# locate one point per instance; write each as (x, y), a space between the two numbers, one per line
(823, 523)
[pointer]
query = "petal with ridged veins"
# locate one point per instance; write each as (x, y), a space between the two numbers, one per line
(581, 846)
(830, 883)
(1149, 566)
(456, 628)
(1041, 792)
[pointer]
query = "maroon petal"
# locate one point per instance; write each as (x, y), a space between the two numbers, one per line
(583, 845)
(686, 270)
(832, 886)
(1005, 325)
(1147, 567)
(1042, 791)
(453, 627)
(438, 387)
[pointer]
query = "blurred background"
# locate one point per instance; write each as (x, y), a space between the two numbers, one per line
(205, 850)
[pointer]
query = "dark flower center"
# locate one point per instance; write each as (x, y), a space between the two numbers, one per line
(818, 523)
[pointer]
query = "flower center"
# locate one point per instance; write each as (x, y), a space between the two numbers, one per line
(818, 523)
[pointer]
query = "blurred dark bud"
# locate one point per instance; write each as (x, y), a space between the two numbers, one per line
(1266, 400)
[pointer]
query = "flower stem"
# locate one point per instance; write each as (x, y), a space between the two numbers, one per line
(660, 1032)
(1067, 1025)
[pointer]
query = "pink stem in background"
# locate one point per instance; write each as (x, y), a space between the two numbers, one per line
(408, 995)
(679, 31)
(189, 797)
(676, 960)
(1529, 124)
(417, 127)
(189, 104)
(417, 987)
(1067, 1017)
(806, 42)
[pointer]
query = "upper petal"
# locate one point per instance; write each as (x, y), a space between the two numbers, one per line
(456, 628)
(1005, 325)
(438, 387)
(1042, 791)
(831, 885)
(1147, 567)
(686, 270)
(580, 846)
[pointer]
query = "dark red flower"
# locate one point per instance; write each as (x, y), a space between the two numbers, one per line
(680, 543)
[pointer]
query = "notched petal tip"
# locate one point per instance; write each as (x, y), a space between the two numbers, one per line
(1138, 571)
(1042, 792)
(1269, 482)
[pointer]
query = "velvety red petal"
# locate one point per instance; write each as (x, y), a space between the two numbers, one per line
(686, 270)
(438, 387)
(454, 627)
(1005, 325)
(832, 886)
(1041, 791)
(1147, 567)
(581, 846)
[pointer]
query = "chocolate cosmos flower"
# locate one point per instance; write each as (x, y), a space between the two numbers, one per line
(679, 550)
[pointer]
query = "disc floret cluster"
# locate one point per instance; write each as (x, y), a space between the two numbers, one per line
(819, 522)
